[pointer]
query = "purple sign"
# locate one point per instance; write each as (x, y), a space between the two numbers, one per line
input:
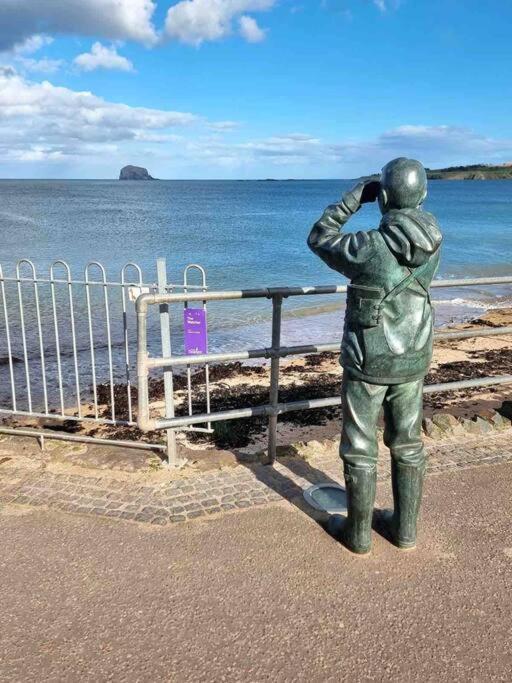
(196, 335)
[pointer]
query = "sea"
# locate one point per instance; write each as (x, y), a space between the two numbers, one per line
(245, 234)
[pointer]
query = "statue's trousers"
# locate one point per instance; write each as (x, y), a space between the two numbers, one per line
(403, 409)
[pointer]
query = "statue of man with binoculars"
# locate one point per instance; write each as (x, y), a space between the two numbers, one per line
(387, 344)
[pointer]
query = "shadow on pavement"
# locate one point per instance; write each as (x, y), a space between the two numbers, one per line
(293, 492)
(288, 488)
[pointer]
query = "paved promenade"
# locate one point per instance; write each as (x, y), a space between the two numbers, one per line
(214, 493)
(261, 594)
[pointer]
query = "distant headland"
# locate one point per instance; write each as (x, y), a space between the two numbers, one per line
(470, 172)
(134, 173)
(473, 172)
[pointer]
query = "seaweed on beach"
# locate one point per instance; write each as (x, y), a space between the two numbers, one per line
(294, 369)
(239, 433)
(229, 370)
(217, 373)
(484, 364)
(311, 384)
(497, 361)
(66, 426)
(457, 370)
(315, 360)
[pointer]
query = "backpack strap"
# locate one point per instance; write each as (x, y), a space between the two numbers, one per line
(403, 284)
(366, 302)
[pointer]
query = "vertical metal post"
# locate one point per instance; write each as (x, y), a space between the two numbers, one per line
(165, 332)
(91, 340)
(277, 301)
(8, 337)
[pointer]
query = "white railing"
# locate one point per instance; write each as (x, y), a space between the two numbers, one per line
(67, 347)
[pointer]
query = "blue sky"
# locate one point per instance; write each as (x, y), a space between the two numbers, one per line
(251, 88)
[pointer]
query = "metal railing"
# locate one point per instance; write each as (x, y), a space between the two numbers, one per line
(67, 347)
(146, 364)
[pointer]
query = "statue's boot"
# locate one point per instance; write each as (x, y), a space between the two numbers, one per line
(400, 524)
(355, 530)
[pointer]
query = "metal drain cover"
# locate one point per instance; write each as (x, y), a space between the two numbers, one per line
(329, 498)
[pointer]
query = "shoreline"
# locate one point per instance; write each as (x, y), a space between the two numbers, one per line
(303, 377)
(323, 324)
(319, 375)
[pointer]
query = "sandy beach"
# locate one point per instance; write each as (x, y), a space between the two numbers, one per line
(317, 376)
(313, 376)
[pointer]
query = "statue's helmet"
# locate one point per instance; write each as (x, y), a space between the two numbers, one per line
(403, 184)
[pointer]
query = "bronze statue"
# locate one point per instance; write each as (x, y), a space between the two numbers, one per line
(387, 344)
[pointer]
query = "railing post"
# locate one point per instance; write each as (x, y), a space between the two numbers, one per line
(172, 450)
(277, 301)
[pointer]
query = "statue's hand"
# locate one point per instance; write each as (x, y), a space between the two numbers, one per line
(370, 191)
(366, 190)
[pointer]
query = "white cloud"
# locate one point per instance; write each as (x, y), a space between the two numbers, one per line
(21, 20)
(224, 126)
(250, 30)
(25, 25)
(102, 57)
(435, 146)
(446, 143)
(387, 5)
(285, 147)
(42, 124)
(143, 136)
(42, 121)
(7, 72)
(33, 44)
(36, 153)
(43, 65)
(304, 155)
(196, 21)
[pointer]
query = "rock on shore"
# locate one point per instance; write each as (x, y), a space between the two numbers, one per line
(135, 173)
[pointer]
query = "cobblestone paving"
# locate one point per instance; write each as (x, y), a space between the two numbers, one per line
(228, 490)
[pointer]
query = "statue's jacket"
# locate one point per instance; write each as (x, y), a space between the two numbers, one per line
(388, 333)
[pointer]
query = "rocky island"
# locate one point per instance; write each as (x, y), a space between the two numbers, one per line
(135, 173)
